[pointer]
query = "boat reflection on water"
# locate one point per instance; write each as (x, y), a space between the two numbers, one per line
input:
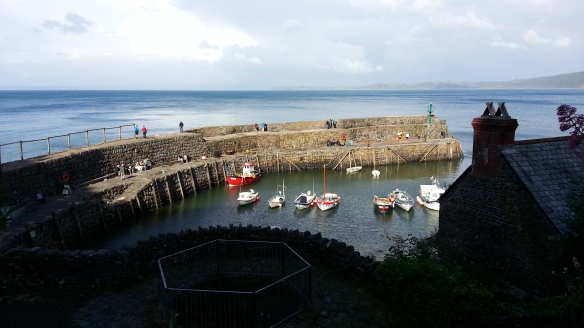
(388, 215)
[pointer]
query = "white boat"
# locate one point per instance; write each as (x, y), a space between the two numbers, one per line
(430, 194)
(305, 199)
(280, 197)
(354, 169)
(383, 204)
(327, 200)
(248, 197)
(403, 200)
(351, 168)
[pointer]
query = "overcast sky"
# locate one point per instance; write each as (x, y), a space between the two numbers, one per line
(265, 44)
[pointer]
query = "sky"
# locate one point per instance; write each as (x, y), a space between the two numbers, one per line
(267, 44)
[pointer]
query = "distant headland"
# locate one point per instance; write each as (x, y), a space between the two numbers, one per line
(562, 81)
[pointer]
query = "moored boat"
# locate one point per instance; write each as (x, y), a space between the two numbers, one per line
(383, 204)
(248, 175)
(305, 199)
(327, 200)
(279, 199)
(430, 194)
(248, 197)
(403, 200)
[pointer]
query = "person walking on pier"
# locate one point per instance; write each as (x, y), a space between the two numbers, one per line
(144, 131)
(180, 125)
(136, 131)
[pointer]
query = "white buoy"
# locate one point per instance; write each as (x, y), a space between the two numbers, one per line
(375, 173)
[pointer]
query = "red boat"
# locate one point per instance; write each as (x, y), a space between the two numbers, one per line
(248, 175)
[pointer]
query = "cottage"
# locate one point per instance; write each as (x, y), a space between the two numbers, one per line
(508, 208)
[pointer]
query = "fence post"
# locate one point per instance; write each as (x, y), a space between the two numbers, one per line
(87, 137)
(21, 152)
(49, 145)
(104, 139)
(69, 140)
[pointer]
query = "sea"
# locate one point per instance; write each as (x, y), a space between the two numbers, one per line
(82, 118)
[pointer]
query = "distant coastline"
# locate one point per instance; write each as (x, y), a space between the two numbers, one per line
(562, 81)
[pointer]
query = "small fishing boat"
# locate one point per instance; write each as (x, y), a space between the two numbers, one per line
(383, 204)
(280, 197)
(429, 195)
(327, 200)
(305, 199)
(248, 197)
(403, 200)
(248, 175)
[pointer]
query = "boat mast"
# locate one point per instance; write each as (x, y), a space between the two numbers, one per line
(324, 195)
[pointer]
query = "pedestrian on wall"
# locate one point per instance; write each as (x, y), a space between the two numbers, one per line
(256, 127)
(136, 131)
(335, 123)
(263, 126)
(180, 125)
(144, 131)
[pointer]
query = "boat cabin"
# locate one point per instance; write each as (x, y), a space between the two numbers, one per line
(248, 169)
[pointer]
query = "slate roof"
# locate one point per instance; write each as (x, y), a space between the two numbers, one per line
(547, 168)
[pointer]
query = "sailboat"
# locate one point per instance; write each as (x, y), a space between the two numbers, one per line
(305, 199)
(280, 197)
(351, 168)
(327, 200)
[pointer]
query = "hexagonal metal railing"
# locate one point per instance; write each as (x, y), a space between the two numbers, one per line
(234, 283)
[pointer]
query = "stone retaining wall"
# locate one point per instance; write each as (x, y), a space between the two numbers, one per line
(95, 269)
(82, 166)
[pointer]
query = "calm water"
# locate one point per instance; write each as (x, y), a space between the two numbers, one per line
(30, 115)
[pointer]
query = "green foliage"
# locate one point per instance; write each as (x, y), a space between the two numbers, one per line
(174, 319)
(418, 291)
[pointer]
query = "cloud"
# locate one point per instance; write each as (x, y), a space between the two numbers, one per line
(74, 23)
(532, 37)
(291, 25)
(468, 19)
(498, 43)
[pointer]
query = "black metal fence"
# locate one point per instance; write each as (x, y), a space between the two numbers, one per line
(234, 283)
(19, 150)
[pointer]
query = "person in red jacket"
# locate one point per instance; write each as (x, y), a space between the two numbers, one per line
(144, 131)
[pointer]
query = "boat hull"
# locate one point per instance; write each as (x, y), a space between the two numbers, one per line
(403, 200)
(328, 201)
(383, 204)
(276, 201)
(304, 201)
(242, 180)
(246, 197)
(354, 169)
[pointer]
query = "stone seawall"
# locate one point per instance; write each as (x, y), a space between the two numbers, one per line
(23, 179)
(96, 269)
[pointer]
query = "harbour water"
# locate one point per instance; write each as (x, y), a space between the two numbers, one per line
(30, 115)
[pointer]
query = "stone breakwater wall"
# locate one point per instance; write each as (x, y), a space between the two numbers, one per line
(125, 200)
(92, 164)
(95, 269)
(401, 124)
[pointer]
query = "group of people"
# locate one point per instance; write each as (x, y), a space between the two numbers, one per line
(334, 143)
(137, 131)
(401, 135)
(264, 127)
(331, 124)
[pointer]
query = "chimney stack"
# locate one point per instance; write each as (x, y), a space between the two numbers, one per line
(492, 131)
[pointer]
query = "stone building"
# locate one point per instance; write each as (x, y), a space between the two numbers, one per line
(507, 210)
